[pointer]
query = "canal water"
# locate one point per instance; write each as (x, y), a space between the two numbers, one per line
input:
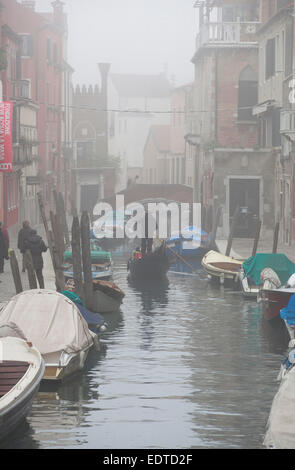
(184, 365)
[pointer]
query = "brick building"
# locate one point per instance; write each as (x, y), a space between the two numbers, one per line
(94, 176)
(231, 168)
(35, 79)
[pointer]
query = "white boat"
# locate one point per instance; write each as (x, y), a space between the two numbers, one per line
(221, 267)
(21, 371)
(280, 431)
(249, 290)
(55, 326)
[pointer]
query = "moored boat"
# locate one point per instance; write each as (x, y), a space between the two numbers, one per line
(55, 326)
(190, 245)
(222, 268)
(101, 262)
(252, 268)
(280, 430)
(21, 371)
(108, 297)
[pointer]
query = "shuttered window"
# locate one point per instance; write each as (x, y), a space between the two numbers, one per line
(270, 58)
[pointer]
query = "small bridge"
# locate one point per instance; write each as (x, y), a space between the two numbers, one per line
(153, 192)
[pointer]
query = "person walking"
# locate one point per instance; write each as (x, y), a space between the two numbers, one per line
(3, 251)
(23, 234)
(36, 245)
(5, 233)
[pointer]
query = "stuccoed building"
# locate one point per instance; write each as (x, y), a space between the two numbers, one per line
(231, 167)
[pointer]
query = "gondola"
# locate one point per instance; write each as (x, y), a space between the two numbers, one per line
(149, 266)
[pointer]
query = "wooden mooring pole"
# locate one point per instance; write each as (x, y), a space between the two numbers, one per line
(77, 259)
(276, 237)
(30, 270)
(86, 260)
(214, 229)
(257, 236)
(15, 272)
(232, 231)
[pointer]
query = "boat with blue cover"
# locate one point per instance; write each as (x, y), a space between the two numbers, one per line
(190, 244)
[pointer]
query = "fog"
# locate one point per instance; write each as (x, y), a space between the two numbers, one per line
(135, 36)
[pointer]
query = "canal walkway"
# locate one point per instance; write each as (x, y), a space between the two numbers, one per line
(242, 248)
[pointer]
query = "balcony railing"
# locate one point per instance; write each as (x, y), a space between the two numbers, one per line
(229, 33)
(287, 126)
(21, 89)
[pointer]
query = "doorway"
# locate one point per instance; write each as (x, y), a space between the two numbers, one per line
(244, 193)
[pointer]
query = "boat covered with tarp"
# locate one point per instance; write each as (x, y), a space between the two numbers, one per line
(288, 315)
(189, 244)
(250, 273)
(55, 326)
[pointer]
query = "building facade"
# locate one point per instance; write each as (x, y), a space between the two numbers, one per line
(275, 109)
(231, 167)
(37, 80)
(93, 173)
(135, 102)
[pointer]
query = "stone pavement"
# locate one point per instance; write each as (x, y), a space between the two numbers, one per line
(7, 288)
(242, 248)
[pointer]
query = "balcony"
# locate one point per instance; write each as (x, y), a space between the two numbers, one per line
(236, 33)
(287, 126)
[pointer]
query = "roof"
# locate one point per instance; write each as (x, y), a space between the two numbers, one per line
(153, 86)
(161, 135)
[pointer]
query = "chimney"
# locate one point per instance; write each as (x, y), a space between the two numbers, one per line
(58, 13)
(29, 4)
(104, 71)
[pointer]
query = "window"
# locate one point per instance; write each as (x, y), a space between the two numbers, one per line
(48, 49)
(26, 47)
(248, 94)
(289, 48)
(55, 55)
(270, 58)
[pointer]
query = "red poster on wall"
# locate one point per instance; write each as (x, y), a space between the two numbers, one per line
(6, 109)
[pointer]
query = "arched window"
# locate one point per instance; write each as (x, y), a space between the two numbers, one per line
(248, 94)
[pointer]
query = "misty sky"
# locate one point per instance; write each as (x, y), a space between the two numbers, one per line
(135, 36)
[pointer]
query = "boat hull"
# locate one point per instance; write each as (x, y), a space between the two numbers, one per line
(249, 291)
(222, 268)
(58, 372)
(273, 300)
(21, 372)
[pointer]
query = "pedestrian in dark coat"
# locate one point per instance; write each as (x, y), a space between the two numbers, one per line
(5, 233)
(36, 245)
(22, 236)
(3, 251)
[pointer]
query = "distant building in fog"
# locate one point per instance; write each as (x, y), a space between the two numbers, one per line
(135, 103)
(93, 175)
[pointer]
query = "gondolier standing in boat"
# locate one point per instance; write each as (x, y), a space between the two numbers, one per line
(147, 242)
